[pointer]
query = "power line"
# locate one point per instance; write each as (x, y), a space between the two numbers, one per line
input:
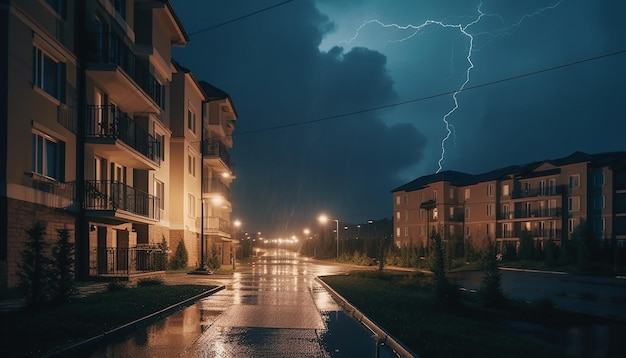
(421, 99)
(238, 18)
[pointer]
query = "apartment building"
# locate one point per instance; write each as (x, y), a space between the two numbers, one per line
(548, 198)
(95, 139)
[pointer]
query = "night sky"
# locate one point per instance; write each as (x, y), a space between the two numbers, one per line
(315, 89)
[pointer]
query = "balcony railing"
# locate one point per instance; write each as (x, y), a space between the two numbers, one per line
(125, 261)
(110, 48)
(546, 191)
(114, 195)
(215, 186)
(214, 148)
(52, 193)
(110, 122)
(538, 233)
(214, 224)
(525, 214)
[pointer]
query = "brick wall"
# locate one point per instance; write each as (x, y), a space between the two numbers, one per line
(22, 216)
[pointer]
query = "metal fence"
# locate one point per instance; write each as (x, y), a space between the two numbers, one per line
(126, 261)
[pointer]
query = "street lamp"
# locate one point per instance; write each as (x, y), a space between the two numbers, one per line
(323, 219)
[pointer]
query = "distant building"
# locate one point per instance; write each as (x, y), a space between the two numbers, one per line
(103, 134)
(547, 198)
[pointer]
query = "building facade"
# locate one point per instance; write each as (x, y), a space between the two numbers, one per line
(95, 134)
(549, 199)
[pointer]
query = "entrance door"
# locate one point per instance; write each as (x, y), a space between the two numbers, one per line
(102, 252)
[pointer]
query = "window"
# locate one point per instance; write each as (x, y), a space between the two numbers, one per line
(574, 181)
(542, 187)
(505, 211)
(48, 156)
(191, 120)
(571, 225)
(405, 199)
(398, 215)
(467, 231)
(451, 213)
(161, 139)
(599, 179)
(48, 74)
(191, 164)
(435, 195)
(421, 213)
(505, 190)
(598, 202)
(435, 214)
(526, 187)
(406, 231)
(398, 232)
(490, 190)
(467, 213)
(489, 209)
(451, 193)
(451, 229)
(421, 197)
(398, 200)
(574, 203)
(406, 215)
(159, 192)
(467, 193)
(192, 205)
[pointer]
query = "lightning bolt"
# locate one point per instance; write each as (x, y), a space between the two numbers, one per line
(415, 30)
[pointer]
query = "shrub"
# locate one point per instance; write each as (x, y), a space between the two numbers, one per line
(155, 281)
(116, 286)
(63, 267)
(179, 261)
(490, 293)
(213, 261)
(35, 268)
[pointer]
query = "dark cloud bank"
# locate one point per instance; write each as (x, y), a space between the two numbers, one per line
(271, 66)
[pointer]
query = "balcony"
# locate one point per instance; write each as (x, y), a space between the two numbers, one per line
(215, 186)
(525, 214)
(107, 126)
(127, 80)
(215, 225)
(115, 202)
(539, 192)
(126, 261)
(49, 192)
(216, 153)
(537, 234)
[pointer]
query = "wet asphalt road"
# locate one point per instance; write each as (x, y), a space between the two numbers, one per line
(270, 308)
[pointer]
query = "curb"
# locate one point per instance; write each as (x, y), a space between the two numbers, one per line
(166, 311)
(383, 338)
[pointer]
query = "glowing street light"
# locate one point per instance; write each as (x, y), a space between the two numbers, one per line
(324, 219)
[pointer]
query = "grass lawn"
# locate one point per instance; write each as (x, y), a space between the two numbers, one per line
(403, 304)
(30, 332)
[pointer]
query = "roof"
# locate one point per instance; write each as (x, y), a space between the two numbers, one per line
(617, 159)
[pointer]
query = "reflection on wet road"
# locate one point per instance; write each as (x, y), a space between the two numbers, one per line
(271, 308)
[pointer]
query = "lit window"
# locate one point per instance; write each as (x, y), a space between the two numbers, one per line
(467, 193)
(48, 74)
(47, 156)
(505, 190)
(398, 232)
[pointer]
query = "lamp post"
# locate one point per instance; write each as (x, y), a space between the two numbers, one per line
(233, 252)
(323, 219)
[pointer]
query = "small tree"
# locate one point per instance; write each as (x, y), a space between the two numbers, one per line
(526, 247)
(491, 289)
(179, 261)
(213, 261)
(161, 258)
(444, 291)
(63, 267)
(35, 271)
